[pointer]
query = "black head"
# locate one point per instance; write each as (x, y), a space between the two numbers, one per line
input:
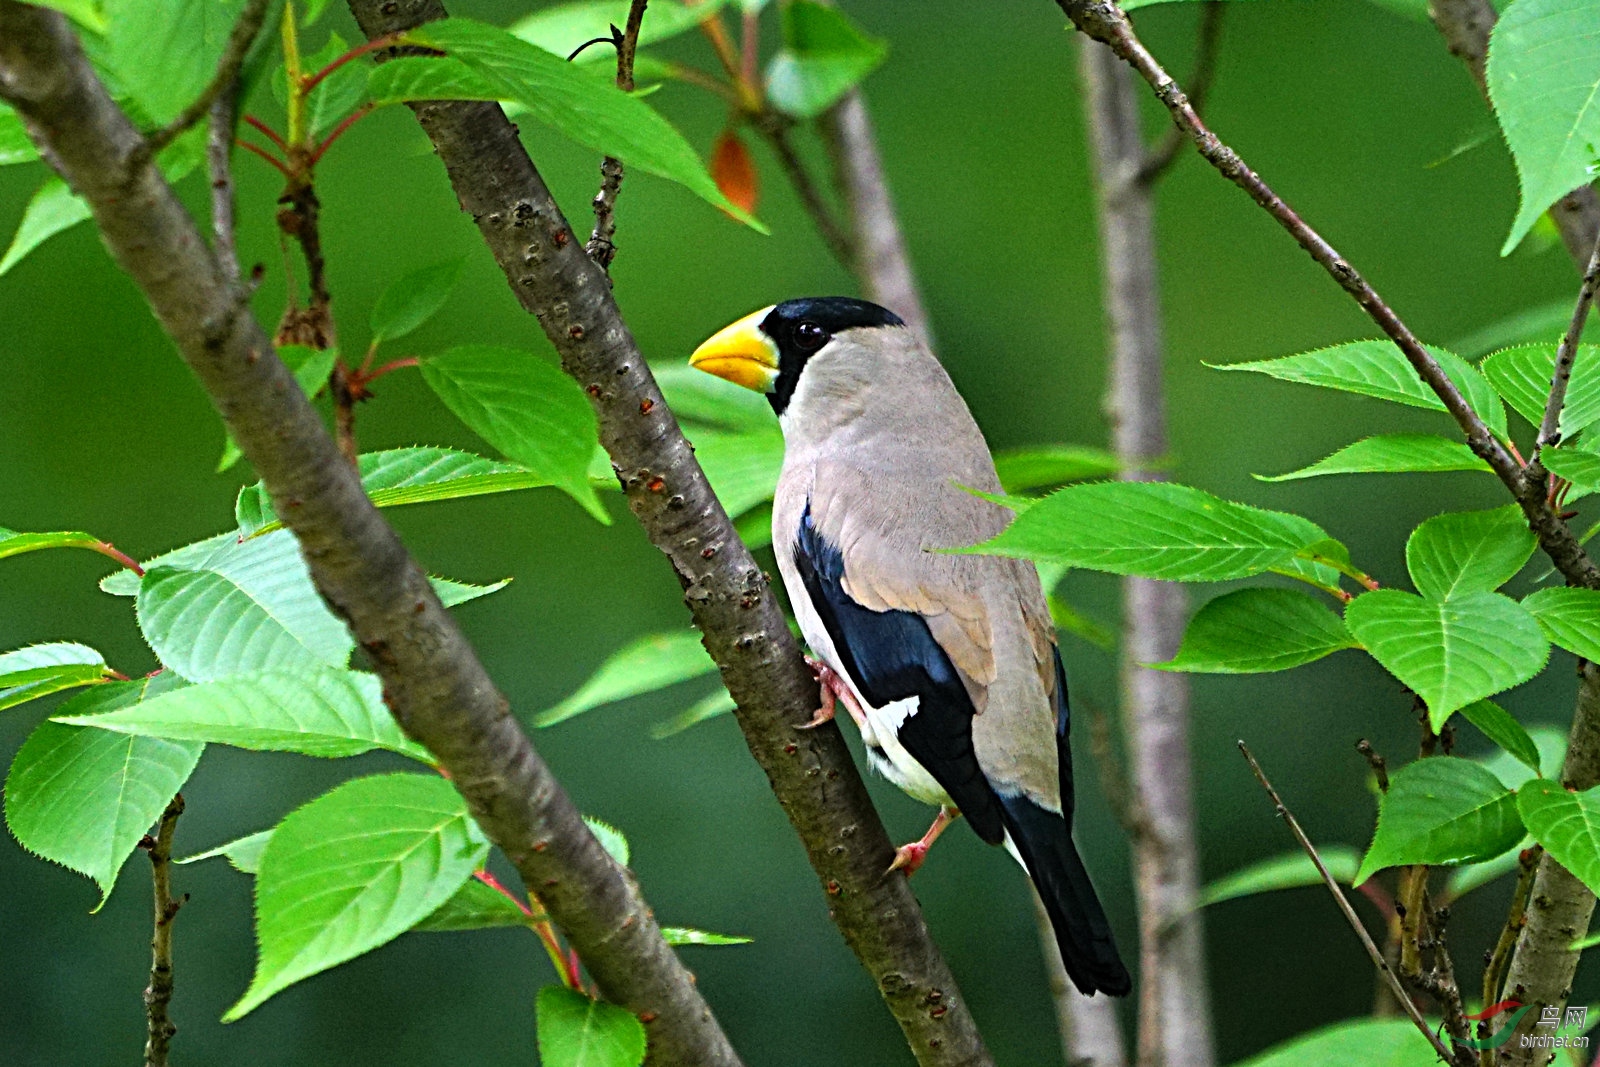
(802, 327)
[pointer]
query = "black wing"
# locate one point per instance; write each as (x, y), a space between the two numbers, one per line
(891, 655)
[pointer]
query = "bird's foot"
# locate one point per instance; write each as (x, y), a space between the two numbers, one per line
(834, 690)
(908, 858)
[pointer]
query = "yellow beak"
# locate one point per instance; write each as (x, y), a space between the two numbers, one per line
(740, 353)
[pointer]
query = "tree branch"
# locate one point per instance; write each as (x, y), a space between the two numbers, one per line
(1207, 47)
(1465, 26)
(1175, 1010)
(1567, 351)
(432, 680)
(219, 166)
(602, 246)
(811, 772)
(775, 128)
(158, 994)
(1464, 1058)
(233, 56)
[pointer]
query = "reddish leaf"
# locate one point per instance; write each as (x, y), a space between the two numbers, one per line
(734, 171)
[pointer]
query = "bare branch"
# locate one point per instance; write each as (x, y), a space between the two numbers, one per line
(432, 680)
(219, 165)
(775, 128)
(811, 772)
(602, 246)
(1550, 427)
(1207, 48)
(1465, 26)
(1354, 920)
(158, 994)
(227, 73)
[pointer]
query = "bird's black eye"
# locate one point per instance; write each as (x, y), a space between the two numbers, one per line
(809, 337)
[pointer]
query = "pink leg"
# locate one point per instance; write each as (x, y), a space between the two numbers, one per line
(909, 857)
(834, 690)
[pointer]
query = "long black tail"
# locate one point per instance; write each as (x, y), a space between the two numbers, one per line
(1082, 931)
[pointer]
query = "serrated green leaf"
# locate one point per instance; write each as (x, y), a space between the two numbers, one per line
(53, 208)
(401, 476)
(561, 28)
(644, 665)
(1569, 618)
(14, 144)
(39, 670)
(823, 57)
(451, 593)
(83, 798)
(1153, 530)
(208, 624)
(611, 839)
(1496, 723)
(338, 94)
(1551, 744)
(1468, 551)
(316, 711)
(1441, 811)
(1522, 376)
(413, 299)
(1290, 870)
(1390, 453)
(1450, 653)
(707, 707)
(526, 408)
(1579, 466)
(243, 853)
(1249, 631)
(353, 869)
(683, 935)
(1368, 1041)
(575, 1031)
(165, 51)
(474, 906)
(1022, 469)
(1544, 79)
(1566, 824)
(555, 93)
(1379, 369)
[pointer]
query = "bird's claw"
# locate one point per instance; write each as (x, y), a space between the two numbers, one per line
(908, 858)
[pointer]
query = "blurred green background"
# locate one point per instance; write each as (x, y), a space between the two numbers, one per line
(1343, 106)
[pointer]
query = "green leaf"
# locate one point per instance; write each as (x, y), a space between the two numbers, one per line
(243, 853)
(1569, 618)
(1544, 79)
(644, 665)
(707, 707)
(83, 798)
(165, 51)
(413, 300)
(1522, 375)
(1079, 623)
(1495, 723)
(523, 406)
(1551, 745)
(1468, 552)
(823, 57)
(1153, 530)
(206, 624)
(474, 906)
(1022, 469)
(575, 1031)
(310, 367)
(15, 543)
(14, 144)
(1390, 453)
(1463, 880)
(1249, 631)
(54, 208)
(452, 593)
(212, 550)
(1379, 369)
(1579, 466)
(1566, 824)
(90, 14)
(682, 935)
(555, 93)
(39, 670)
(696, 396)
(1368, 1041)
(1441, 811)
(316, 711)
(353, 869)
(406, 476)
(1449, 653)
(563, 27)
(338, 94)
(1546, 322)
(611, 839)
(1290, 870)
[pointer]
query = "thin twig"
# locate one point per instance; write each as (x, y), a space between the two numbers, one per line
(158, 994)
(1349, 913)
(775, 128)
(233, 57)
(1380, 767)
(219, 164)
(602, 243)
(1550, 428)
(1499, 961)
(1162, 155)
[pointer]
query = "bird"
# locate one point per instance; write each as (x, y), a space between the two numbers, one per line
(947, 662)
